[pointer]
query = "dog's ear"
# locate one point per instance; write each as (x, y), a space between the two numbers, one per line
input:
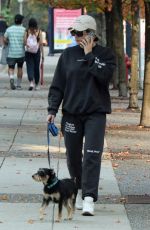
(52, 172)
(41, 172)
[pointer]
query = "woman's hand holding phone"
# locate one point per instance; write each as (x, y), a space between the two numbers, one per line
(87, 43)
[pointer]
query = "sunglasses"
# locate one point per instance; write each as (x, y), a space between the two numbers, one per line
(78, 33)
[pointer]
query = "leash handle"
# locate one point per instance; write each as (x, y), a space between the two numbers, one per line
(51, 128)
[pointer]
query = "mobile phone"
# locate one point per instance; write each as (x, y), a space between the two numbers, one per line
(91, 34)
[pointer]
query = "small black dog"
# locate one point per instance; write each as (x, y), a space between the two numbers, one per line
(63, 192)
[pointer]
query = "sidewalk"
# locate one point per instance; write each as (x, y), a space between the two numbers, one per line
(24, 213)
(23, 148)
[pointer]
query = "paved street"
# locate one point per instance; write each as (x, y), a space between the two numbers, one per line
(23, 149)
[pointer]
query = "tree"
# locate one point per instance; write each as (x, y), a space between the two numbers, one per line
(134, 84)
(118, 45)
(6, 11)
(145, 114)
(37, 10)
(31, 8)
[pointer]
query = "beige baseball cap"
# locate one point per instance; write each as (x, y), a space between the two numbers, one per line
(83, 22)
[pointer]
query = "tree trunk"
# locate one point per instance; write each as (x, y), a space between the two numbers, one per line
(101, 23)
(133, 83)
(109, 28)
(145, 114)
(109, 42)
(8, 4)
(101, 27)
(118, 44)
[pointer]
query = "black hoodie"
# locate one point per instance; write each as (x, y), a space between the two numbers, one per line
(82, 81)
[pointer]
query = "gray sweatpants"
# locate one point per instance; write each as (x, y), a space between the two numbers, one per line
(85, 168)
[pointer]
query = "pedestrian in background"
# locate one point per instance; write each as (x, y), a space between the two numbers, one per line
(34, 53)
(3, 27)
(81, 83)
(14, 37)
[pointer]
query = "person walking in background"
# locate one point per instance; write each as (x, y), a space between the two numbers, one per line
(34, 52)
(14, 37)
(3, 27)
(81, 83)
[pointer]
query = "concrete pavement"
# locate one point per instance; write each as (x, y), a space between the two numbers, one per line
(24, 213)
(23, 147)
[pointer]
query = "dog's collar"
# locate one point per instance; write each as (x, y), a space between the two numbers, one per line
(54, 182)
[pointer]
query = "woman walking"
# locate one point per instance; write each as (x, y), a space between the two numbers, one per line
(81, 83)
(34, 53)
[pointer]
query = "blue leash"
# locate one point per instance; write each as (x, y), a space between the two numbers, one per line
(51, 128)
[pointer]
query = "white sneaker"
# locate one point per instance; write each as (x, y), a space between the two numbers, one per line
(12, 85)
(79, 201)
(88, 206)
(31, 86)
(37, 87)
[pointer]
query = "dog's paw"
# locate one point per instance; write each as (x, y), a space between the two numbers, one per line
(42, 213)
(68, 218)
